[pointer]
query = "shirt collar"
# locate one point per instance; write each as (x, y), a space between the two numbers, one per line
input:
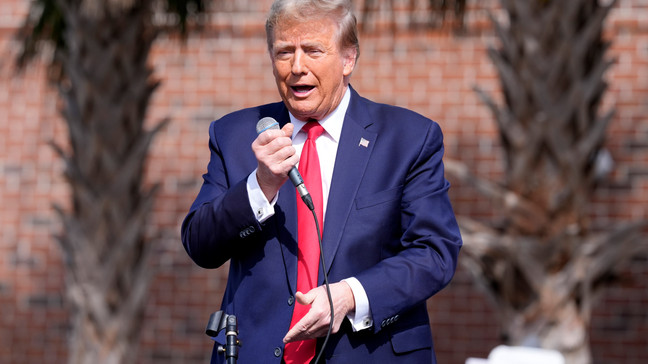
(332, 123)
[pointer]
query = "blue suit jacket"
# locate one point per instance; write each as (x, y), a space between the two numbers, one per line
(389, 223)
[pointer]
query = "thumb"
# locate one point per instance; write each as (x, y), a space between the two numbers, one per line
(288, 129)
(307, 298)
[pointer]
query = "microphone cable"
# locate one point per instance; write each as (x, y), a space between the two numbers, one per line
(326, 283)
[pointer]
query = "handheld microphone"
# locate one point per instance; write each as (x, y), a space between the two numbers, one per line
(268, 123)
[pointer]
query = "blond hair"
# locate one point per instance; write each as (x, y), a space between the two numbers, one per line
(341, 11)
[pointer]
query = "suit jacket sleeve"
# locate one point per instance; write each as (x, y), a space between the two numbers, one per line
(221, 220)
(424, 260)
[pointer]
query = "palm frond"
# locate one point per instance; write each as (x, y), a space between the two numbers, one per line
(45, 23)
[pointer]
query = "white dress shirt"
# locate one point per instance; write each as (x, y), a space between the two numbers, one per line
(326, 146)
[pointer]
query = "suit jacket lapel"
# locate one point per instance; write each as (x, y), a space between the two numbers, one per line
(354, 149)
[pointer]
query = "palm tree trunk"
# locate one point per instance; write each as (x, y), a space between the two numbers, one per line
(561, 328)
(106, 88)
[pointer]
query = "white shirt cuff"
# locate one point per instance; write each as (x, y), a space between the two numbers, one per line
(361, 317)
(263, 209)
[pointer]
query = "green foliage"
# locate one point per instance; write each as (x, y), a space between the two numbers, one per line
(185, 9)
(45, 23)
(430, 14)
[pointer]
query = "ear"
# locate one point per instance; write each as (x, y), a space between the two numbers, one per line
(349, 59)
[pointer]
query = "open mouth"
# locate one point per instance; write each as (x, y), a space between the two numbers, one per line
(301, 90)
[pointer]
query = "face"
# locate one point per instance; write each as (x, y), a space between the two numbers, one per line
(310, 69)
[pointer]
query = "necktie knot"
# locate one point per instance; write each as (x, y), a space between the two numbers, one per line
(313, 129)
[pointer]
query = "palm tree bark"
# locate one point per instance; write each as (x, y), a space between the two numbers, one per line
(106, 87)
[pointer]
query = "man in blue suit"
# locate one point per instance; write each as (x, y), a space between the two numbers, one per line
(390, 238)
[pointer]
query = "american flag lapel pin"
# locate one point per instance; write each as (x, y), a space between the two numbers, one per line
(363, 143)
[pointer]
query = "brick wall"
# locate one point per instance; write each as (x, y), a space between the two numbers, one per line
(226, 68)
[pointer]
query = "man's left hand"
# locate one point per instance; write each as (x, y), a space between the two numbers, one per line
(316, 321)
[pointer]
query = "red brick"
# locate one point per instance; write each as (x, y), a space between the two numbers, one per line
(215, 73)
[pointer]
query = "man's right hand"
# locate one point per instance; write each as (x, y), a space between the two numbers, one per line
(276, 157)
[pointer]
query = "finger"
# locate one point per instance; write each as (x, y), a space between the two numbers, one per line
(308, 327)
(284, 155)
(269, 135)
(273, 151)
(272, 140)
(301, 330)
(305, 330)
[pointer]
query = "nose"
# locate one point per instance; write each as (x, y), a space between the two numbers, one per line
(298, 63)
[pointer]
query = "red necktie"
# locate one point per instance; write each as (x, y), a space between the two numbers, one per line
(300, 352)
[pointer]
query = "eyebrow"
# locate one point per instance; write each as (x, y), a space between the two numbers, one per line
(306, 44)
(283, 44)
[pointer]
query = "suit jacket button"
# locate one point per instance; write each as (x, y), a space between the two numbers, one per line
(277, 352)
(247, 232)
(291, 300)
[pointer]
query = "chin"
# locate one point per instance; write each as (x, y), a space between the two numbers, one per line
(302, 116)
(301, 113)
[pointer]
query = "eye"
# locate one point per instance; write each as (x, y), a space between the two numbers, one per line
(283, 54)
(315, 52)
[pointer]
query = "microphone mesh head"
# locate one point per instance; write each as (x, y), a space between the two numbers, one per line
(265, 124)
